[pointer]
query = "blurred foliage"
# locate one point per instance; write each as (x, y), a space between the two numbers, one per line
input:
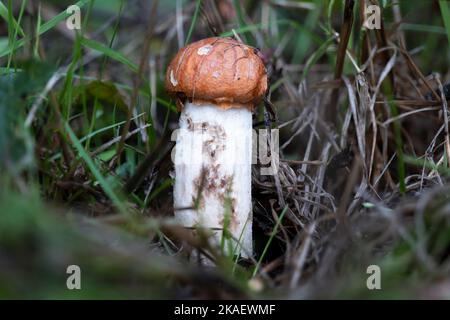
(17, 89)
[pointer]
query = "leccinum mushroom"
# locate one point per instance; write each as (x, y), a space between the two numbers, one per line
(217, 83)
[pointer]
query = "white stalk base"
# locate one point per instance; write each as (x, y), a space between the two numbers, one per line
(212, 158)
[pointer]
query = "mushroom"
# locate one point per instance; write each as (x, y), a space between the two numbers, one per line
(217, 83)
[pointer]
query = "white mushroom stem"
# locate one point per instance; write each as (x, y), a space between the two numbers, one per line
(213, 166)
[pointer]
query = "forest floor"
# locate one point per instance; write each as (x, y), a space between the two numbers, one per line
(362, 187)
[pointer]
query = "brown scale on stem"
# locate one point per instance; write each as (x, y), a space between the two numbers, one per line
(214, 184)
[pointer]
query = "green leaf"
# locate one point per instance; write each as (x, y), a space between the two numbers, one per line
(104, 92)
(115, 55)
(16, 92)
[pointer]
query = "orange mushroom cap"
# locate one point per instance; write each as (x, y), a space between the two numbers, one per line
(216, 70)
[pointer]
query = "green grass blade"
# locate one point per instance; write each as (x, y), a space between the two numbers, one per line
(316, 56)
(280, 22)
(107, 51)
(22, 9)
(422, 28)
(194, 21)
(95, 171)
(4, 13)
(43, 29)
(60, 17)
(240, 18)
(274, 232)
(445, 16)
